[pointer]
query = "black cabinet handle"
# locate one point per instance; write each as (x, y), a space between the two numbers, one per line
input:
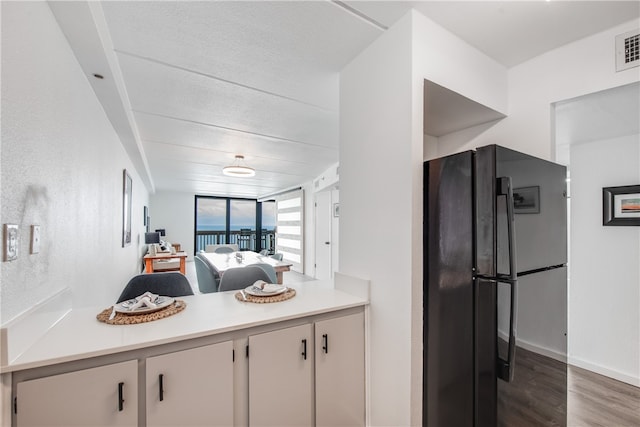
(325, 343)
(304, 349)
(120, 397)
(161, 387)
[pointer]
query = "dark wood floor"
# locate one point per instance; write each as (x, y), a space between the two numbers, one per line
(546, 392)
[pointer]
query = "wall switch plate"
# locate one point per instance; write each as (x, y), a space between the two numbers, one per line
(10, 242)
(35, 239)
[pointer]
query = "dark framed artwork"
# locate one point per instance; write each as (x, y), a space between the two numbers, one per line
(621, 205)
(127, 192)
(145, 219)
(526, 200)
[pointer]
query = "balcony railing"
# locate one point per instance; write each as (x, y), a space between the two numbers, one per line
(244, 238)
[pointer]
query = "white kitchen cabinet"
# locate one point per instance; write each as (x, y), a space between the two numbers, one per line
(339, 363)
(191, 387)
(102, 396)
(281, 377)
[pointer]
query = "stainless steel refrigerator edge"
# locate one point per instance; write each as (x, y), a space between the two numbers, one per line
(471, 290)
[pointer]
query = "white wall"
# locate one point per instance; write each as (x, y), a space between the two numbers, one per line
(175, 212)
(376, 195)
(381, 155)
(604, 322)
(376, 102)
(576, 69)
(62, 168)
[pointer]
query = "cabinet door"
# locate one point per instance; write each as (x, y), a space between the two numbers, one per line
(281, 377)
(340, 371)
(191, 387)
(103, 396)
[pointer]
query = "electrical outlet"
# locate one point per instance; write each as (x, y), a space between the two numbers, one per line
(35, 239)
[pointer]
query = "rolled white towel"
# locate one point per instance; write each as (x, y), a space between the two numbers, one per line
(259, 284)
(272, 287)
(145, 300)
(267, 287)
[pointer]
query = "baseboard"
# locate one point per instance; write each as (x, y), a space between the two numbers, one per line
(599, 369)
(17, 335)
(553, 354)
(574, 361)
(548, 352)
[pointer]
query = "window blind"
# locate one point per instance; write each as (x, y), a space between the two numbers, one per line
(290, 228)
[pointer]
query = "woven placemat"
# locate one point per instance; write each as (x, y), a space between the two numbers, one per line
(132, 319)
(288, 294)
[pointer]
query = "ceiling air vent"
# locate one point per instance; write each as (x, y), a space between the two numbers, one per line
(628, 50)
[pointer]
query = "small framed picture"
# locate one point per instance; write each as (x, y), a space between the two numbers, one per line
(10, 242)
(526, 200)
(336, 210)
(621, 205)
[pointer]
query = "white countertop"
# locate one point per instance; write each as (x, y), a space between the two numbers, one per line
(80, 335)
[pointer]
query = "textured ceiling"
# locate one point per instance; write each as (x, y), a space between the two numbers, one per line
(188, 85)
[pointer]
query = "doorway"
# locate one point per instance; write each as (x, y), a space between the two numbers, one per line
(323, 235)
(327, 221)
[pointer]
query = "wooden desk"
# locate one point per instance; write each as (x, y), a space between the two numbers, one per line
(223, 262)
(148, 260)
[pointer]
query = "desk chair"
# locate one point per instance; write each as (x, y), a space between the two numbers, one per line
(241, 277)
(170, 284)
(277, 256)
(224, 250)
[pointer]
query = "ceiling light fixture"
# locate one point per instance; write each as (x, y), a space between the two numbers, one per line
(238, 168)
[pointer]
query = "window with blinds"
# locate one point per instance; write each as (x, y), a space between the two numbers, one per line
(290, 228)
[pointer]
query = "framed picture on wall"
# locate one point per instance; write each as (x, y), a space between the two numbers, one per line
(526, 200)
(621, 205)
(127, 192)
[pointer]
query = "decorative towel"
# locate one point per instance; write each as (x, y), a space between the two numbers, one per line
(268, 287)
(145, 300)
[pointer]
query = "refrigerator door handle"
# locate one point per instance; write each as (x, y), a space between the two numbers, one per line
(504, 189)
(506, 367)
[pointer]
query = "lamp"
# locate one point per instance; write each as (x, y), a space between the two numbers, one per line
(238, 168)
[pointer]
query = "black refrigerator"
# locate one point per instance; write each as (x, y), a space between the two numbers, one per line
(495, 290)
